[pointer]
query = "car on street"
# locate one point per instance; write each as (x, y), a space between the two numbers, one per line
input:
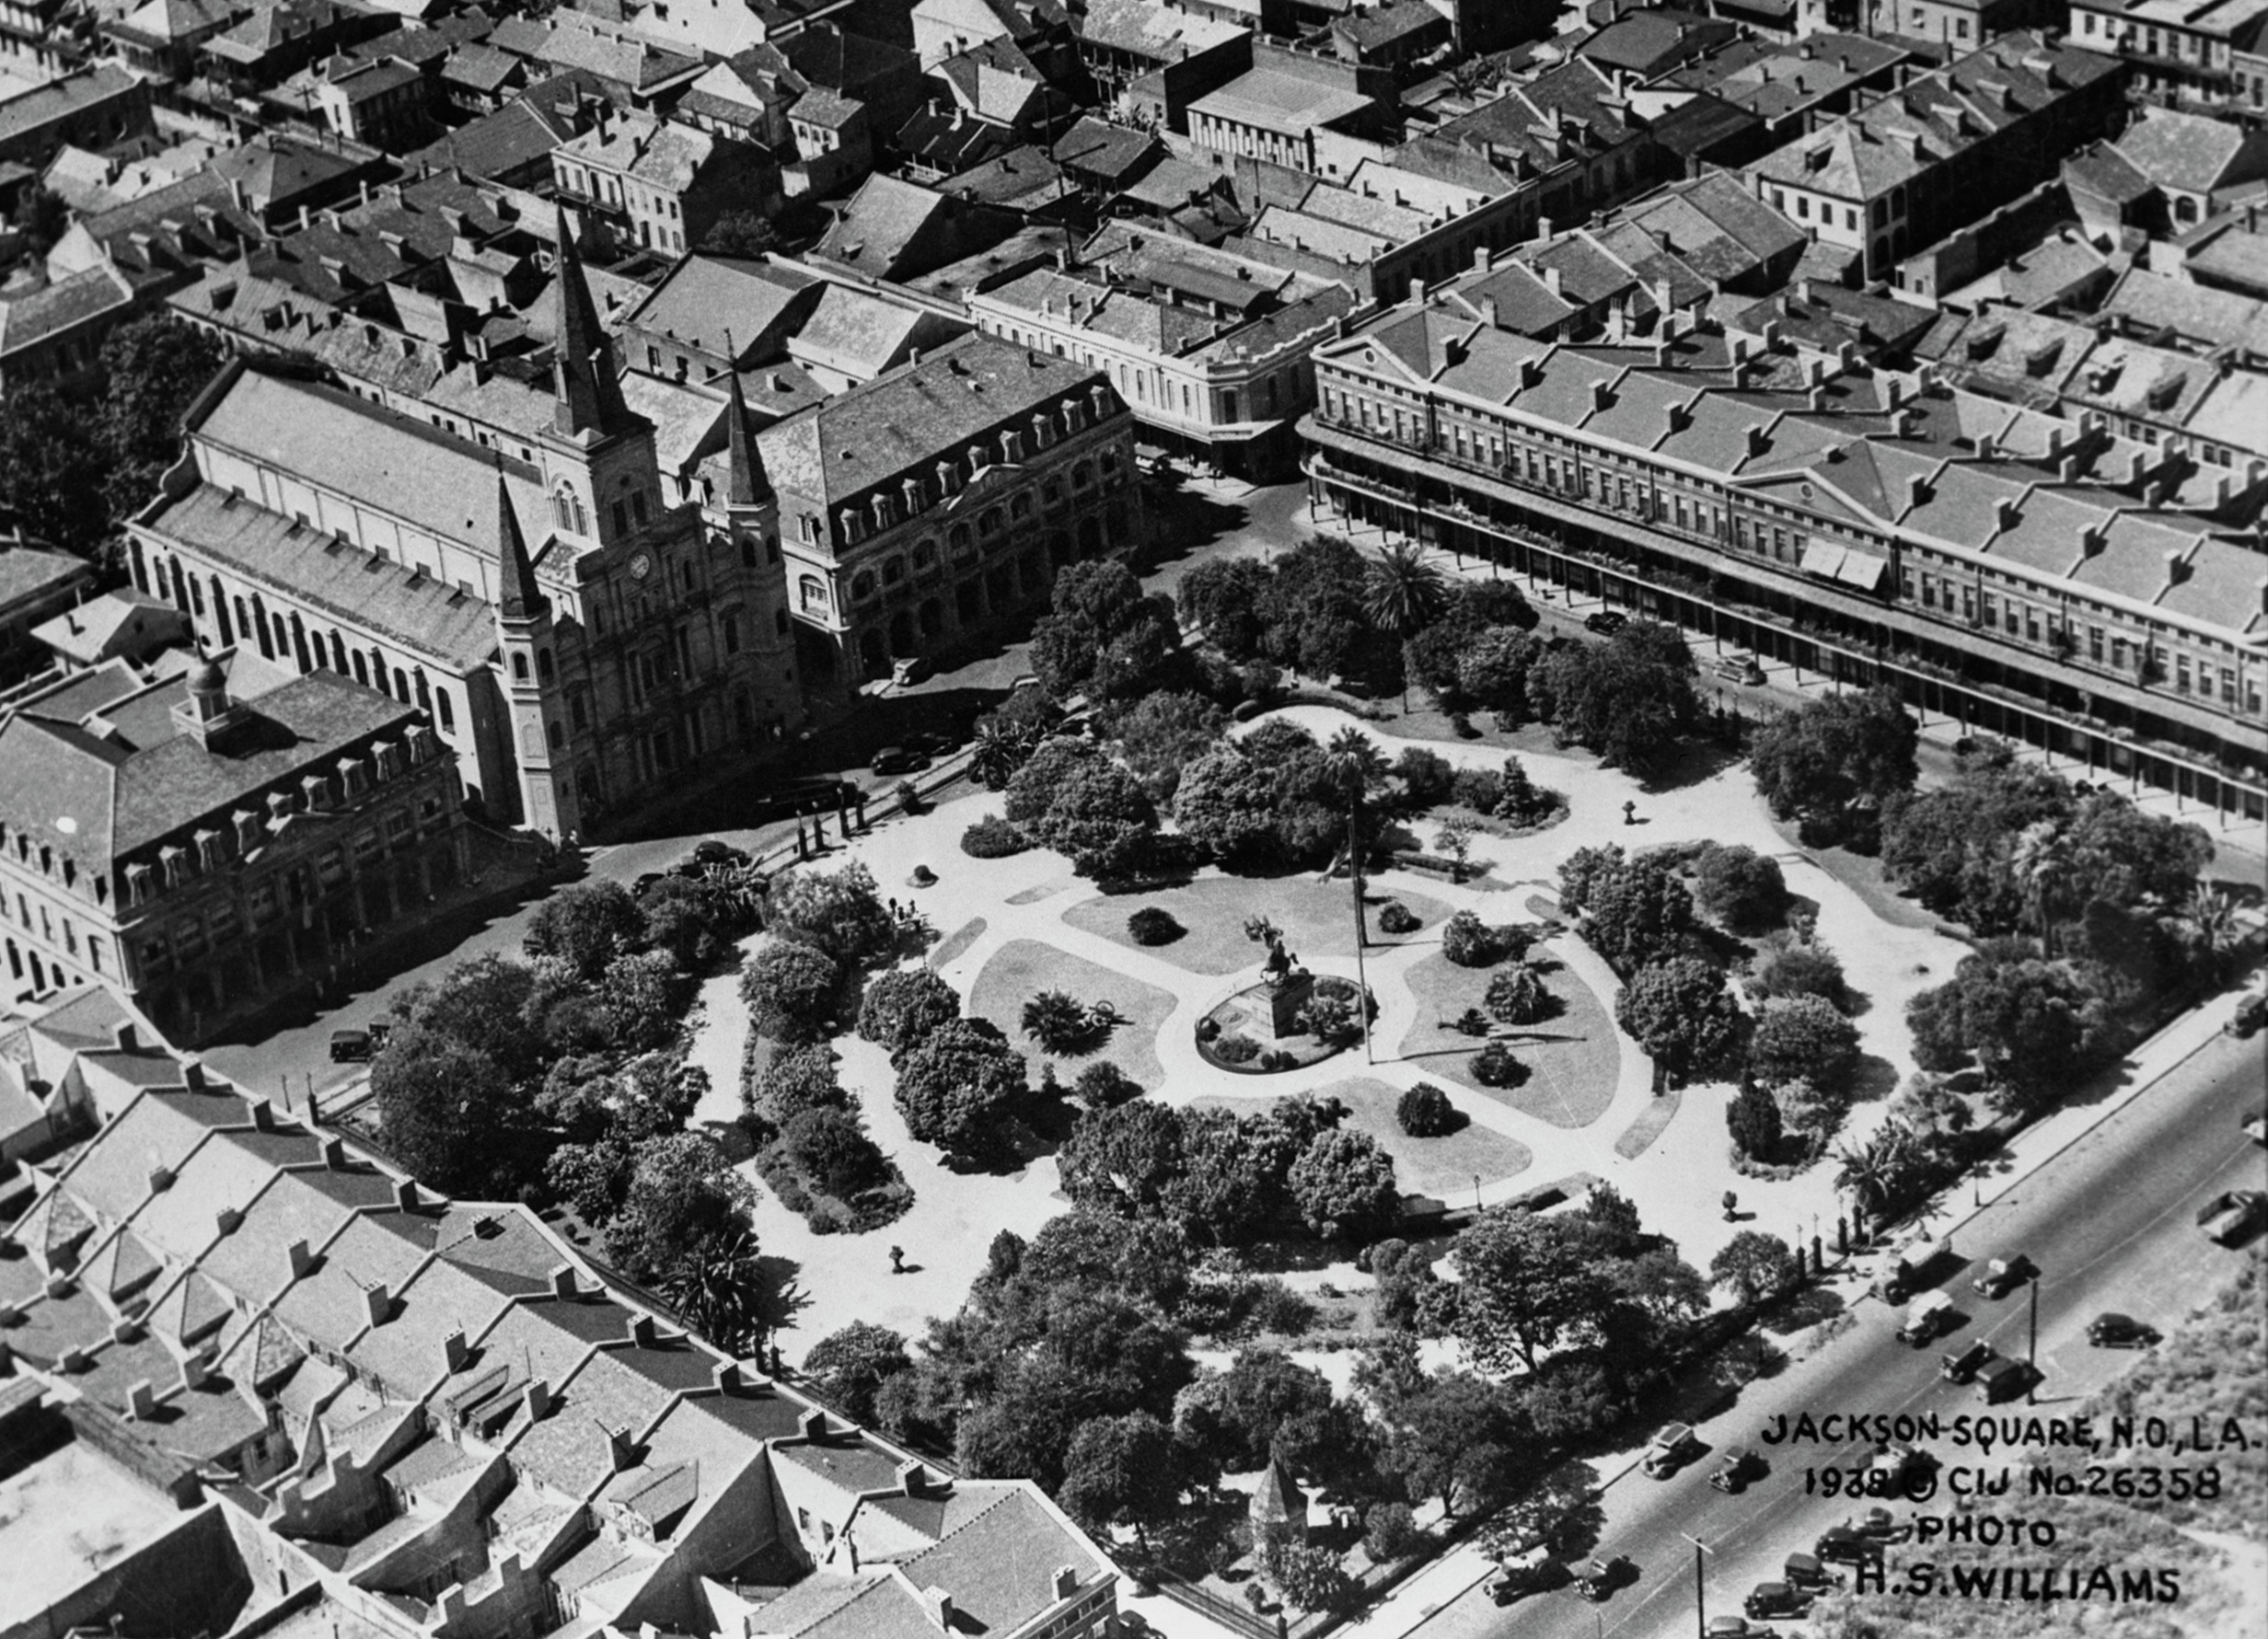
(2110, 1330)
(351, 1046)
(928, 744)
(1961, 1366)
(2002, 1275)
(2231, 1216)
(1735, 1469)
(898, 759)
(2250, 1014)
(646, 879)
(1850, 1543)
(1518, 1575)
(1671, 1449)
(2002, 1378)
(709, 852)
(1927, 1315)
(1605, 622)
(1803, 1570)
(1776, 1601)
(1733, 1627)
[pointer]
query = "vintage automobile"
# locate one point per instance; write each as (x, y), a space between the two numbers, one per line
(2003, 1275)
(1770, 1601)
(1735, 1469)
(1671, 1449)
(1961, 1366)
(1926, 1317)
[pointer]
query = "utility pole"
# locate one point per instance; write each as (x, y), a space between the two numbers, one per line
(1700, 1615)
(2031, 1343)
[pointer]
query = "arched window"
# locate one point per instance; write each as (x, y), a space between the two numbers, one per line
(519, 668)
(567, 510)
(958, 539)
(1082, 476)
(732, 634)
(557, 738)
(892, 571)
(861, 584)
(581, 706)
(447, 711)
(779, 621)
(992, 523)
(1020, 506)
(361, 672)
(925, 555)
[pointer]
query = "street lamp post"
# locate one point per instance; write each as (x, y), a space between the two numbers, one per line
(1700, 1613)
(2031, 1342)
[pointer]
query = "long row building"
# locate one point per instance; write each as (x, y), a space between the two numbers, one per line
(2035, 571)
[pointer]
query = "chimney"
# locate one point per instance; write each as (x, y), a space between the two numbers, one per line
(1417, 288)
(1681, 417)
(2177, 565)
(1530, 372)
(195, 1370)
(125, 1039)
(621, 1452)
(263, 1115)
(1893, 391)
(939, 1604)
(2136, 464)
(1987, 447)
(192, 1074)
(913, 1479)
(1920, 491)
(230, 1219)
(377, 1302)
(537, 1397)
(639, 1329)
(405, 1194)
(334, 1152)
(161, 1179)
(454, 1354)
(1066, 1581)
(1759, 441)
(2005, 511)
(726, 1376)
(812, 1425)
(141, 1401)
(563, 1281)
(1814, 371)
(1554, 281)
(1601, 395)
(1901, 424)
(1740, 350)
(2092, 539)
(302, 1260)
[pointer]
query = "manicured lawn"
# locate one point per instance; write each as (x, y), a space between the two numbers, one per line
(1640, 1134)
(1315, 917)
(959, 940)
(1572, 1057)
(1022, 967)
(1441, 1167)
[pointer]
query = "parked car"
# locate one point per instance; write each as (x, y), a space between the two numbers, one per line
(930, 744)
(898, 759)
(1768, 1601)
(1803, 1570)
(646, 879)
(1859, 1542)
(1605, 622)
(2256, 1126)
(2250, 1014)
(2232, 1214)
(1733, 1627)
(2113, 1330)
(709, 852)
(1518, 1575)
(1963, 1365)
(350, 1046)
(1735, 1469)
(2002, 1378)
(1738, 667)
(1669, 1450)
(2003, 1275)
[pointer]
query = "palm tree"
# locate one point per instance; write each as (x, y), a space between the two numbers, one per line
(718, 1288)
(1405, 596)
(2209, 923)
(2039, 861)
(995, 754)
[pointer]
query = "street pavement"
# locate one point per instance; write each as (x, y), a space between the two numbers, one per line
(2110, 1221)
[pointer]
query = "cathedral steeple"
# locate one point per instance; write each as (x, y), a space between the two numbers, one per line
(744, 483)
(587, 397)
(521, 598)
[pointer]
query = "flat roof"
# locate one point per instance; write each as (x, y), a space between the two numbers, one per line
(71, 1514)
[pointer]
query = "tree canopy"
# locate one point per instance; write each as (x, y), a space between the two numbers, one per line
(1102, 635)
(959, 1086)
(1834, 760)
(1682, 1014)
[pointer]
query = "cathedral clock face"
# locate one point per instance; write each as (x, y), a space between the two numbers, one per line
(641, 567)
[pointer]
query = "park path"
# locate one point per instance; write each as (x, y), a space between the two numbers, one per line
(1677, 1179)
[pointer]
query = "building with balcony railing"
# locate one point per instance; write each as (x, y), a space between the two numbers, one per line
(2185, 50)
(207, 840)
(929, 508)
(2041, 577)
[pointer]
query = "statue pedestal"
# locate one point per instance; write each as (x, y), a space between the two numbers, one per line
(1286, 998)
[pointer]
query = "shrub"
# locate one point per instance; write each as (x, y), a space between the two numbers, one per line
(1494, 1066)
(1516, 996)
(1236, 1048)
(1477, 789)
(1754, 1117)
(1390, 1532)
(1104, 1086)
(791, 989)
(1470, 942)
(1787, 965)
(1277, 1059)
(908, 797)
(1427, 777)
(1154, 926)
(1473, 1021)
(1330, 1019)
(1803, 1038)
(1207, 1028)
(797, 1079)
(903, 1005)
(993, 837)
(1425, 1111)
(1394, 917)
(1277, 1307)
(1058, 1021)
(832, 1150)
